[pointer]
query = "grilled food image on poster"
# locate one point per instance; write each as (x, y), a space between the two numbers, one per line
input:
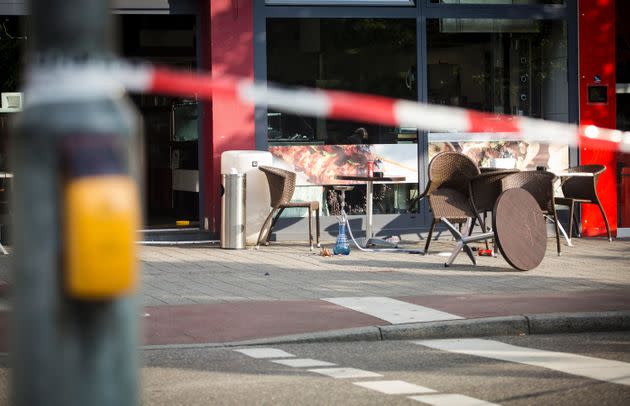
(505, 154)
(320, 164)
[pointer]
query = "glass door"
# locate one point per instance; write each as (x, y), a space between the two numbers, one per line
(623, 116)
(170, 136)
(623, 163)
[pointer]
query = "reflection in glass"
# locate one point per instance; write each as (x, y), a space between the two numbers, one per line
(374, 56)
(360, 55)
(184, 121)
(510, 2)
(622, 74)
(623, 163)
(516, 67)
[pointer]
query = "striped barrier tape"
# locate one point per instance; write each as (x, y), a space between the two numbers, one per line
(75, 81)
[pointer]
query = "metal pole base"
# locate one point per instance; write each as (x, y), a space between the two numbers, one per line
(462, 241)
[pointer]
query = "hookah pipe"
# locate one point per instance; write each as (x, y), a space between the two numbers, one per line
(341, 245)
(344, 220)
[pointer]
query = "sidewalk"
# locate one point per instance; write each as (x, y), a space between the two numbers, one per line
(228, 295)
(203, 294)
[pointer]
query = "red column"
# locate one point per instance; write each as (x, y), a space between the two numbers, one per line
(597, 67)
(227, 43)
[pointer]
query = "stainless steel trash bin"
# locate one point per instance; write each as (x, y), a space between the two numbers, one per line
(233, 210)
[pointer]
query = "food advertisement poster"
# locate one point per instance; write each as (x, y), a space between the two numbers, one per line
(489, 150)
(320, 164)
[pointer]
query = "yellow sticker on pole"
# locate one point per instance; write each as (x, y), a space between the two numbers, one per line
(102, 218)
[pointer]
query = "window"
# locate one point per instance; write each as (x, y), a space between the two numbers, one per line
(339, 2)
(510, 2)
(375, 56)
(516, 67)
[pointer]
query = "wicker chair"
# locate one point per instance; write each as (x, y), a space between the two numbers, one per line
(281, 188)
(448, 190)
(485, 190)
(580, 189)
(539, 184)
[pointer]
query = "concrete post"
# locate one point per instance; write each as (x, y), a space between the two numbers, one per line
(64, 351)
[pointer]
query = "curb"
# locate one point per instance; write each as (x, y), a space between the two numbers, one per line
(344, 335)
(487, 326)
(528, 324)
(579, 322)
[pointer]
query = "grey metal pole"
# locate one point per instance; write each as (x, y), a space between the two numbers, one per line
(65, 351)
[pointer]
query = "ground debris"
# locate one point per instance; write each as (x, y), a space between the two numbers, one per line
(326, 252)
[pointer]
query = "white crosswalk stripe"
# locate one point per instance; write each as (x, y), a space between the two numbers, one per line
(394, 387)
(451, 399)
(388, 387)
(264, 353)
(589, 367)
(345, 373)
(303, 363)
(392, 310)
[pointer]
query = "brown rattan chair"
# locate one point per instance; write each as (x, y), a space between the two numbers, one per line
(581, 189)
(281, 188)
(485, 190)
(448, 190)
(539, 184)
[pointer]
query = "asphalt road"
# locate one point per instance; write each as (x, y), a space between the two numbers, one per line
(570, 369)
(437, 375)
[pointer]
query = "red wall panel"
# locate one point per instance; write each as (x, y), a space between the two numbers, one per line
(228, 125)
(597, 60)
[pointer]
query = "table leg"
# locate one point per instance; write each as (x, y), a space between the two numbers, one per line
(370, 244)
(564, 233)
(370, 240)
(462, 241)
(368, 209)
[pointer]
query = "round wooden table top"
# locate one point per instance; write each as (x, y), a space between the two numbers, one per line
(371, 178)
(520, 229)
(485, 169)
(496, 172)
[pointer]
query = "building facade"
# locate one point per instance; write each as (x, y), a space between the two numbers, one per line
(561, 60)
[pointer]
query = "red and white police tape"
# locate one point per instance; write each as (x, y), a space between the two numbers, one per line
(75, 82)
